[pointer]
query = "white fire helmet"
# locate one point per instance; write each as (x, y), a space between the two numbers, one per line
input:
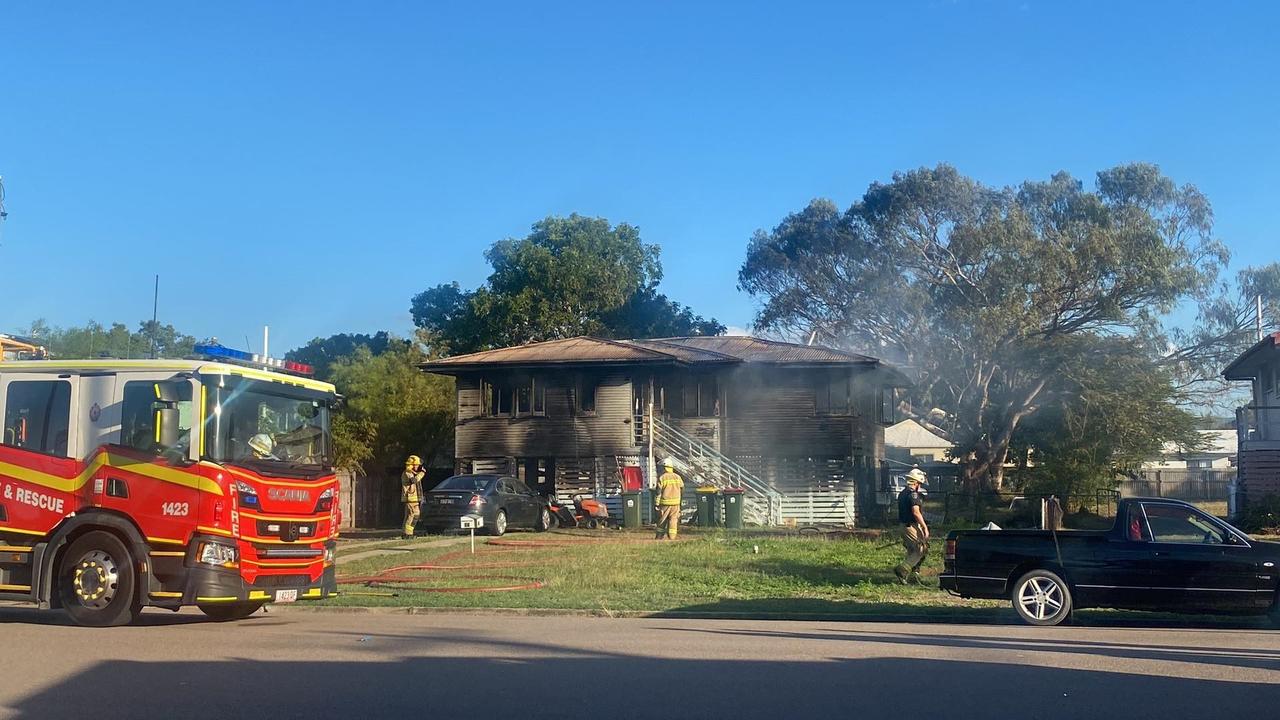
(262, 445)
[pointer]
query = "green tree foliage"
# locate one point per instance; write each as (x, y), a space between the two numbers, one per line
(1112, 411)
(321, 353)
(393, 409)
(987, 291)
(1226, 325)
(94, 340)
(569, 276)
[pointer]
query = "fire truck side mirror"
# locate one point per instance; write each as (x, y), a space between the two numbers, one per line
(168, 420)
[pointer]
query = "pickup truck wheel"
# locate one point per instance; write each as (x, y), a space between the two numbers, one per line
(1042, 598)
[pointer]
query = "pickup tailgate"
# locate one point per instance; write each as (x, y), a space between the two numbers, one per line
(981, 563)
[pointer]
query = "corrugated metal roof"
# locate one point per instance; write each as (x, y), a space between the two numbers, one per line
(753, 349)
(569, 350)
(676, 350)
(911, 434)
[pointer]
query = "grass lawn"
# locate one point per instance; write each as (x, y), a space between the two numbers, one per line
(626, 571)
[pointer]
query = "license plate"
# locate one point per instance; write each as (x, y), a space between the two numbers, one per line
(446, 501)
(283, 596)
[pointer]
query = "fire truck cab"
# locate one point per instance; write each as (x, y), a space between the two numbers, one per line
(165, 483)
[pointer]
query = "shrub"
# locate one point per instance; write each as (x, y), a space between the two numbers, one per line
(1261, 515)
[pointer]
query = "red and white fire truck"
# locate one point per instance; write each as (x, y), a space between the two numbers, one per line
(164, 483)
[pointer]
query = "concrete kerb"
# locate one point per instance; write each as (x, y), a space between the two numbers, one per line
(999, 616)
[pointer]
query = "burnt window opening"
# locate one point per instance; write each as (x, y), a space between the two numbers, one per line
(507, 399)
(497, 398)
(586, 394)
(887, 406)
(832, 395)
(692, 397)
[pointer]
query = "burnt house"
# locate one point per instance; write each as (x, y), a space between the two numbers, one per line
(799, 428)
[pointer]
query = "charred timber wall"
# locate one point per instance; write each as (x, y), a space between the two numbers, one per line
(562, 432)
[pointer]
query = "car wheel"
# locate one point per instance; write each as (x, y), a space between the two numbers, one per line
(499, 524)
(96, 581)
(544, 520)
(223, 612)
(1042, 598)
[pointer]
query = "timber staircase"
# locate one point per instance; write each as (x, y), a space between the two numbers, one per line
(704, 465)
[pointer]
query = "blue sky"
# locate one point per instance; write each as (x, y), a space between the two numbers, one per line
(312, 165)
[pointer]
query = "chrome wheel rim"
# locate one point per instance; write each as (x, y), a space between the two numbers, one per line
(1041, 598)
(96, 579)
(501, 522)
(546, 518)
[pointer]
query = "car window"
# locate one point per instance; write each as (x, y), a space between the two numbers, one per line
(1136, 529)
(1176, 524)
(466, 483)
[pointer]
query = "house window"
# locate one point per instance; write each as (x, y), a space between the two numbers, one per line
(37, 416)
(586, 395)
(531, 398)
(497, 398)
(887, 406)
(506, 399)
(696, 397)
(831, 395)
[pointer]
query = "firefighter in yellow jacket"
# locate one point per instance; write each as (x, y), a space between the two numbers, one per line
(670, 486)
(411, 493)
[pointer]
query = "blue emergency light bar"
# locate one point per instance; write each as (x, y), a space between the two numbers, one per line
(245, 358)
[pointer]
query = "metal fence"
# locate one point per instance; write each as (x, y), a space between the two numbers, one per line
(1016, 510)
(1205, 484)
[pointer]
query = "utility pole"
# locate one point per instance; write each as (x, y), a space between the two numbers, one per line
(266, 335)
(155, 314)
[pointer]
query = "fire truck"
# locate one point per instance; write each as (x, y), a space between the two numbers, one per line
(165, 483)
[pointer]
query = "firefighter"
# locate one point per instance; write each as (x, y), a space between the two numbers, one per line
(411, 493)
(915, 531)
(670, 484)
(262, 447)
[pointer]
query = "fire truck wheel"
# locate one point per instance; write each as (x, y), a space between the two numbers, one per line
(223, 612)
(96, 581)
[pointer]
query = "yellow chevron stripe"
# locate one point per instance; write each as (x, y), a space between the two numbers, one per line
(74, 484)
(4, 528)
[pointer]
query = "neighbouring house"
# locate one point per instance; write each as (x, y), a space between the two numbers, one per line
(799, 428)
(1219, 453)
(913, 443)
(1258, 423)
(1185, 474)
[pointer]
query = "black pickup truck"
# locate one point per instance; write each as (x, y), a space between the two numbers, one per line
(1160, 555)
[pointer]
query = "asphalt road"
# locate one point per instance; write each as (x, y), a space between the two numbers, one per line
(297, 664)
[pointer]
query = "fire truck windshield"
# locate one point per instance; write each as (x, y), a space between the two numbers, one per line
(269, 427)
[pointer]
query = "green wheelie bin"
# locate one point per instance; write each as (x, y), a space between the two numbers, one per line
(631, 503)
(708, 513)
(733, 508)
